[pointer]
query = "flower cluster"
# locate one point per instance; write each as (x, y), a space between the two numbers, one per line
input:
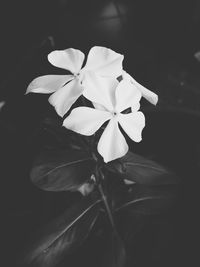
(111, 90)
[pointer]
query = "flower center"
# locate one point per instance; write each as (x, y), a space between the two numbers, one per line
(114, 113)
(79, 76)
(76, 75)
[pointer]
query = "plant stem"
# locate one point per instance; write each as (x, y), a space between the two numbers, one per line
(100, 180)
(106, 206)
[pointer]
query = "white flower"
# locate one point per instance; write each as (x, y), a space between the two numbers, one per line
(66, 89)
(110, 98)
(146, 93)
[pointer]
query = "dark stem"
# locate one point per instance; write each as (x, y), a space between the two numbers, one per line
(104, 198)
(105, 201)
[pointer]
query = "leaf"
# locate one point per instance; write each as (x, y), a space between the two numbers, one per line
(115, 255)
(143, 171)
(148, 200)
(63, 236)
(63, 137)
(61, 170)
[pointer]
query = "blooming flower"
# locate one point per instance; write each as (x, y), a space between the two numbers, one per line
(110, 99)
(66, 89)
(146, 93)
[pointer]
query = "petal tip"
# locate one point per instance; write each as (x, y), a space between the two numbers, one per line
(30, 89)
(49, 56)
(58, 110)
(155, 100)
(27, 91)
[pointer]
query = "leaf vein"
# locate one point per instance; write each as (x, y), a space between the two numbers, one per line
(64, 165)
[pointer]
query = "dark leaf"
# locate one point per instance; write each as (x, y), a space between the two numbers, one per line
(149, 200)
(63, 236)
(61, 170)
(129, 225)
(116, 190)
(143, 171)
(65, 138)
(115, 255)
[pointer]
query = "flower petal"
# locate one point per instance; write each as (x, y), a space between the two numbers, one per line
(135, 107)
(100, 90)
(98, 106)
(112, 144)
(146, 93)
(64, 98)
(85, 120)
(132, 124)
(48, 84)
(69, 59)
(104, 61)
(127, 95)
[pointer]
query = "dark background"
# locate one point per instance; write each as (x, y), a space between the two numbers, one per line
(159, 40)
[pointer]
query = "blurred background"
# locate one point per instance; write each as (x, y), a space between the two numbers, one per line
(161, 43)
